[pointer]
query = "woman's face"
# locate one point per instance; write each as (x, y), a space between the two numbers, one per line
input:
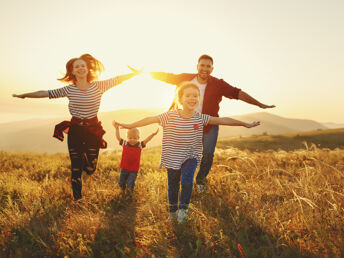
(80, 69)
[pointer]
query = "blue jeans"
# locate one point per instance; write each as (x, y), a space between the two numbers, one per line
(127, 178)
(209, 144)
(183, 176)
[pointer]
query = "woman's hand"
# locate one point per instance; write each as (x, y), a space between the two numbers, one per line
(135, 71)
(253, 124)
(22, 96)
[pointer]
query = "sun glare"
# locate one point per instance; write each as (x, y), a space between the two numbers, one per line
(139, 92)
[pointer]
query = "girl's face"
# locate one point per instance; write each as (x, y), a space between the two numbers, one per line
(190, 98)
(80, 69)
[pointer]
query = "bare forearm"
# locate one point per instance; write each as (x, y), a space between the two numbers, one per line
(226, 121)
(232, 122)
(36, 94)
(118, 136)
(143, 122)
(124, 77)
(249, 99)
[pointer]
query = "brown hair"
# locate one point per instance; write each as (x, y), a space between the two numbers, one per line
(180, 91)
(94, 66)
(206, 57)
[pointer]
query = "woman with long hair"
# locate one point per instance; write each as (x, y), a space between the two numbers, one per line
(85, 133)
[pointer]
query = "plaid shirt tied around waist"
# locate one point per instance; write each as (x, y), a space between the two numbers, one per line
(92, 125)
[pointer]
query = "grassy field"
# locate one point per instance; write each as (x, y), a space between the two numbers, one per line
(271, 203)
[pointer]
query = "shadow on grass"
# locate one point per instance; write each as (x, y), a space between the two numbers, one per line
(117, 238)
(36, 239)
(236, 228)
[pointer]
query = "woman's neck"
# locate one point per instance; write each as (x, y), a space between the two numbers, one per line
(186, 113)
(82, 83)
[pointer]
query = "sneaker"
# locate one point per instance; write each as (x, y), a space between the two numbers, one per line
(200, 188)
(182, 215)
(173, 216)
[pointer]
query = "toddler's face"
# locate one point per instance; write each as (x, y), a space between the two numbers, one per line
(133, 137)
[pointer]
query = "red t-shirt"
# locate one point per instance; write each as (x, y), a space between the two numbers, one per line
(131, 155)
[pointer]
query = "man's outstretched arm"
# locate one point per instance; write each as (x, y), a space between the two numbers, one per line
(248, 99)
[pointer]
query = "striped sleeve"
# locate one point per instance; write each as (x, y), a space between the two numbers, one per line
(107, 84)
(58, 93)
(163, 118)
(205, 119)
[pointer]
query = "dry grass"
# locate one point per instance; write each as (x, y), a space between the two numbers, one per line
(272, 203)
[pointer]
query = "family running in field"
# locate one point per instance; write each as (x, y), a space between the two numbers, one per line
(190, 127)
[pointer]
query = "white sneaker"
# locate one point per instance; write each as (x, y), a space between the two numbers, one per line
(173, 216)
(182, 215)
(200, 188)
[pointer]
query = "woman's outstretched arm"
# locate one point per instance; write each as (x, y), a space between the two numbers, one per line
(124, 77)
(36, 94)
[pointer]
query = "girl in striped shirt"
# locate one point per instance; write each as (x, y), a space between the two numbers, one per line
(182, 144)
(84, 130)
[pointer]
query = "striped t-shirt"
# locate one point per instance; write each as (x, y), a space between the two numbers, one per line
(84, 104)
(182, 138)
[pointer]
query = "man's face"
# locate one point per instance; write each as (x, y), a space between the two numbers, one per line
(204, 68)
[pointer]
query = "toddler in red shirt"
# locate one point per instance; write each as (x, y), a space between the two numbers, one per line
(131, 155)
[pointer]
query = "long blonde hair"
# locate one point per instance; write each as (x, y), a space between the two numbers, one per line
(180, 91)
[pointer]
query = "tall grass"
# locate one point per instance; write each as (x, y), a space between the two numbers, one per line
(257, 204)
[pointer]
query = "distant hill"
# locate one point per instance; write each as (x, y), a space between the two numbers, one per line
(333, 125)
(270, 124)
(329, 138)
(36, 135)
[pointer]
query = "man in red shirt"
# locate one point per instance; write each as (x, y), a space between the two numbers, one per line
(212, 91)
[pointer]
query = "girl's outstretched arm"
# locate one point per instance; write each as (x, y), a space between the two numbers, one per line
(143, 122)
(230, 121)
(36, 94)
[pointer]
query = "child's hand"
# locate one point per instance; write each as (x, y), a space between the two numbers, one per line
(253, 124)
(156, 132)
(115, 124)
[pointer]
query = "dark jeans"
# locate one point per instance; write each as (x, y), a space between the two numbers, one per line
(127, 178)
(183, 176)
(83, 148)
(209, 144)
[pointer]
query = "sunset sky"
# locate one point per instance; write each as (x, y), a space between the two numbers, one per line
(286, 53)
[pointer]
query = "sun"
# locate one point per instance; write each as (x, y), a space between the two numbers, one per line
(139, 92)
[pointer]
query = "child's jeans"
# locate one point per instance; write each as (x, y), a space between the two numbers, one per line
(127, 178)
(183, 176)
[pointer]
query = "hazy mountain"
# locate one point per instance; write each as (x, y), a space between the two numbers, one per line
(35, 135)
(333, 125)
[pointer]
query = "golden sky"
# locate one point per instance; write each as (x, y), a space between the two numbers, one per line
(287, 53)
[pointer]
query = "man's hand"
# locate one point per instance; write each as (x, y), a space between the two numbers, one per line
(266, 106)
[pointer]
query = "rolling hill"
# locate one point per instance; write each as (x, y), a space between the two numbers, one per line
(35, 135)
